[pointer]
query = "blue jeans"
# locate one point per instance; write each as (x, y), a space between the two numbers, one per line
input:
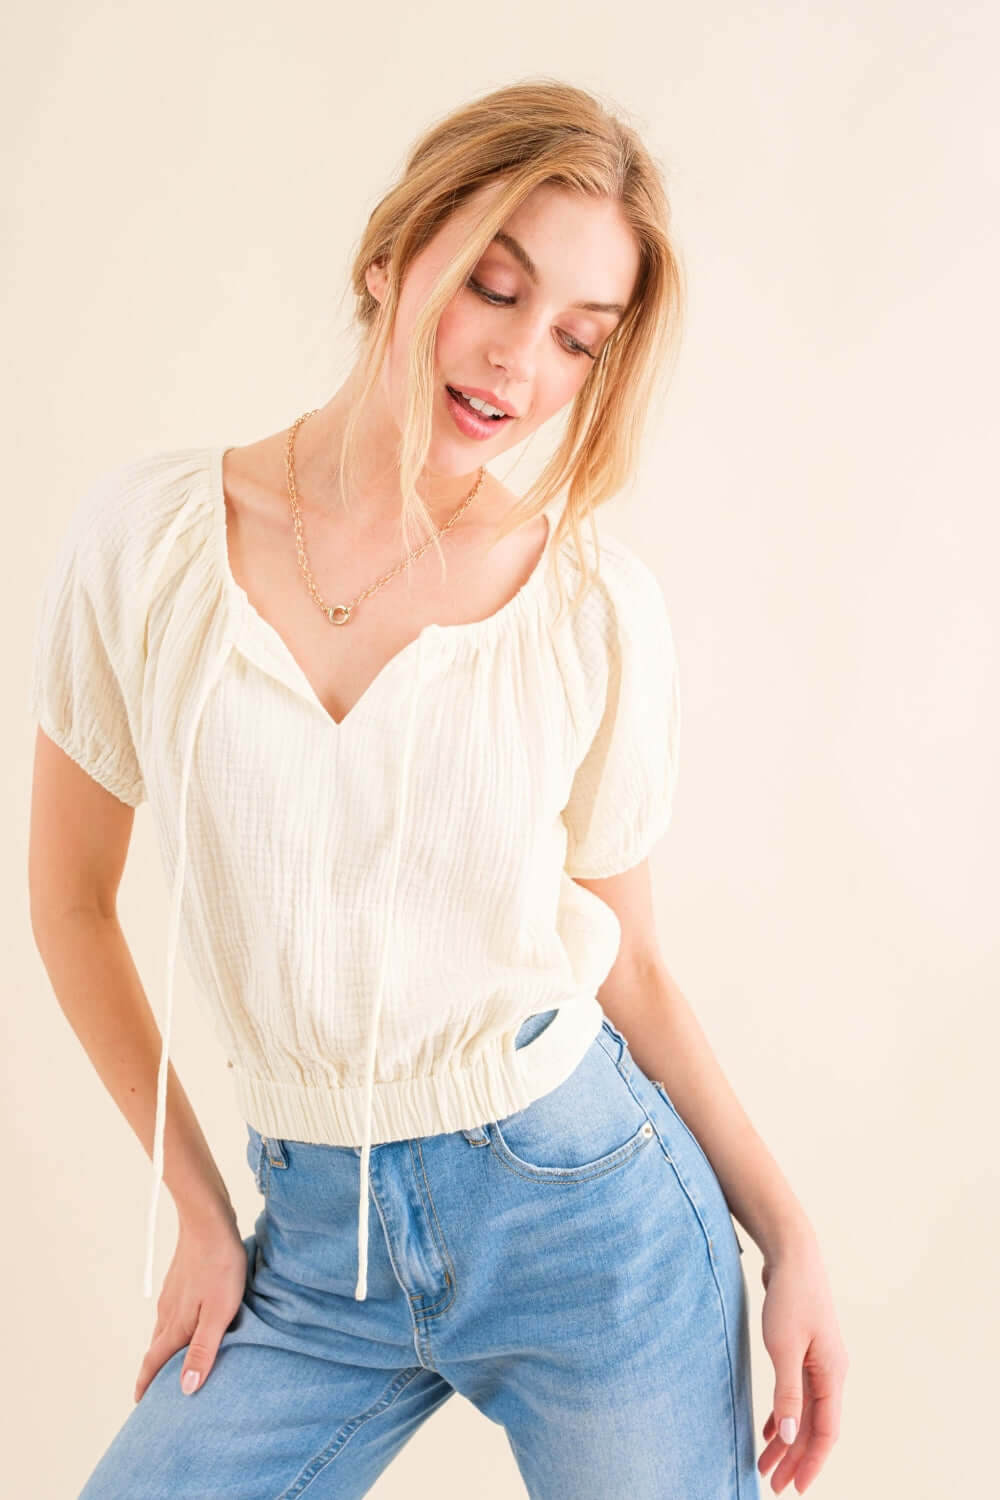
(572, 1270)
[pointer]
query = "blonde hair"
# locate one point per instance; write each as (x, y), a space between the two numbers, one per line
(517, 138)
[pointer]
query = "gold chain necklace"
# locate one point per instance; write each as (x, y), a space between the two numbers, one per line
(340, 614)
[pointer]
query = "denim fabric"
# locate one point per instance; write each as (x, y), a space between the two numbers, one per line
(572, 1270)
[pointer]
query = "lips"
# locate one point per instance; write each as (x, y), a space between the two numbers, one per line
(469, 422)
(459, 396)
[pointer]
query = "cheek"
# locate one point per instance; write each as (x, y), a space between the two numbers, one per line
(465, 328)
(558, 387)
(457, 332)
(394, 368)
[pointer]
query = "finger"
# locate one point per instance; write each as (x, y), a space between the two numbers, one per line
(202, 1349)
(788, 1361)
(777, 1450)
(160, 1350)
(789, 1457)
(823, 1423)
(774, 1449)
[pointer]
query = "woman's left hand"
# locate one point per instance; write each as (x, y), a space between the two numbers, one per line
(810, 1361)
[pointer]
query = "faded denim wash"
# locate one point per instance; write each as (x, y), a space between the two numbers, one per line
(572, 1270)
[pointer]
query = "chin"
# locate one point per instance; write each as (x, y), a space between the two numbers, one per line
(452, 460)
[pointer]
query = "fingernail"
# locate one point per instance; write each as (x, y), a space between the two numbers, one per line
(787, 1429)
(190, 1379)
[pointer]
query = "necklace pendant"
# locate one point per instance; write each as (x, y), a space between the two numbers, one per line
(339, 614)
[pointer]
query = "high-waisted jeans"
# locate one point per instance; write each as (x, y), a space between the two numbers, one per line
(571, 1269)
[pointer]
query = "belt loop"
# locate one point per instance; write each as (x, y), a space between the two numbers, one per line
(275, 1149)
(622, 1060)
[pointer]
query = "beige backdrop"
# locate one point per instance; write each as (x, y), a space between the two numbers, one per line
(184, 186)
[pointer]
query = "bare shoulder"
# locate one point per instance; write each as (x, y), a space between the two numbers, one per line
(253, 476)
(499, 503)
(498, 493)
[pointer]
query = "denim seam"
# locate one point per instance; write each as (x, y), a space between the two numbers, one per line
(661, 1090)
(435, 1309)
(610, 1163)
(692, 1199)
(601, 1037)
(718, 1289)
(418, 1337)
(345, 1432)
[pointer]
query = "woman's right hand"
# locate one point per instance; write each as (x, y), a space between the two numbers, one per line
(201, 1293)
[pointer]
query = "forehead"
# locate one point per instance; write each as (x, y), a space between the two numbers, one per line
(583, 247)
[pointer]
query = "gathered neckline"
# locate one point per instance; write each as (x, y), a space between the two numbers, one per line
(482, 631)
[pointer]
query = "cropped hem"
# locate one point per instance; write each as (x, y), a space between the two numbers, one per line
(501, 1081)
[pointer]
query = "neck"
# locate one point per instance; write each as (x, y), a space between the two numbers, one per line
(375, 493)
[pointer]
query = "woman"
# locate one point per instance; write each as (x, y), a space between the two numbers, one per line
(405, 810)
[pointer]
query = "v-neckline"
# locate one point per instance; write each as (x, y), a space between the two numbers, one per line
(482, 630)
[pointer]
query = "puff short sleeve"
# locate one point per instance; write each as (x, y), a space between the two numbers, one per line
(621, 799)
(85, 682)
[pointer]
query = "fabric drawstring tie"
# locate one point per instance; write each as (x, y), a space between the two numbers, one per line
(361, 1289)
(177, 894)
(172, 936)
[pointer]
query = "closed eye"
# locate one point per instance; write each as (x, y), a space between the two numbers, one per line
(572, 345)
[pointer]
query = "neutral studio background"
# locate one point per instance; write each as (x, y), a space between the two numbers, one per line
(183, 186)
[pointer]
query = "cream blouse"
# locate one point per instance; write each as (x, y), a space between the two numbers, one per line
(369, 909)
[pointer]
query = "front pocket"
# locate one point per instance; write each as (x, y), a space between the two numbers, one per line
(589, 1124)
(582, 1173)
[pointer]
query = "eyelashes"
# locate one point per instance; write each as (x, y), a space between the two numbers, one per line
(496, 299)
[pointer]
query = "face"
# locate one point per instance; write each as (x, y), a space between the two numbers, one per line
(517, 333)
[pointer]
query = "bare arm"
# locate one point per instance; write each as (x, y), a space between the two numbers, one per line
(667, 1041)
(78, 842)
(799, 1322)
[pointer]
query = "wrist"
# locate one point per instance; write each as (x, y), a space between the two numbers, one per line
(791, 1239)
(206, 1211)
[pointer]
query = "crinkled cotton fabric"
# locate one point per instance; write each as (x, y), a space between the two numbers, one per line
(369, 910)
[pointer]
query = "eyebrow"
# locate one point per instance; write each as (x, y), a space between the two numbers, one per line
(520, 254)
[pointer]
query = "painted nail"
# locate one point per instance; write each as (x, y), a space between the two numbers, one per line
(189, 1381)
(787, 1429)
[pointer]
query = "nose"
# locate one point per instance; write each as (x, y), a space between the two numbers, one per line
(515, 366)
(515, 351)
